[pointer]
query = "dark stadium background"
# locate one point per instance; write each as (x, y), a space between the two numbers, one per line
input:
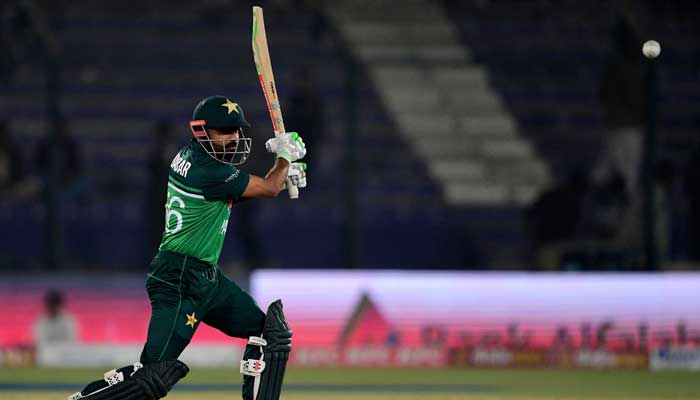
(459, 142)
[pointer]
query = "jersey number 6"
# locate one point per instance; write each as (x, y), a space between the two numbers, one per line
(169, 212)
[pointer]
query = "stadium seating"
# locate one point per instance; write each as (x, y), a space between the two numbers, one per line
(127, 67)
(546, 60)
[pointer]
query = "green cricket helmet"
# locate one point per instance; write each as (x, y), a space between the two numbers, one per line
(226, 116)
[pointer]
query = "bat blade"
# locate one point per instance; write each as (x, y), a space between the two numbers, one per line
(263, 65)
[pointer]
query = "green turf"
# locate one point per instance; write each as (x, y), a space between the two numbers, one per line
(395, 384)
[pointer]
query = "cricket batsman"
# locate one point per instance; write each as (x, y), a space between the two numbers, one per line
(184, 284)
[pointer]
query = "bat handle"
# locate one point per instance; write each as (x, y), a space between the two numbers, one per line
(292, 189)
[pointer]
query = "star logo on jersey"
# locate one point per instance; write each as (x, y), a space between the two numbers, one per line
(230, 106)
(191, 320)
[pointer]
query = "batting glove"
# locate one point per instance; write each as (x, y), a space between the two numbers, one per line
(297, 175)
(288, 145)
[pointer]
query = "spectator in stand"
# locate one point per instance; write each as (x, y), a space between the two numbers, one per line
(586, 336)
(604, 209)
(643, 337)
(57, 326)
(517, 341)
(560, 351)
(623, 102)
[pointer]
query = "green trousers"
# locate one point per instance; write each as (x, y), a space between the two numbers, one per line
(186, 292)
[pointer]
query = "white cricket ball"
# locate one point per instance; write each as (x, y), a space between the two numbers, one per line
(651, 49)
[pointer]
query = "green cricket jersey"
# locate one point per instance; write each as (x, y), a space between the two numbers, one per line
(201, 191)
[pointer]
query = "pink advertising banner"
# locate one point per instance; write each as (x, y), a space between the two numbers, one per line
(413, 309)
(523, 310)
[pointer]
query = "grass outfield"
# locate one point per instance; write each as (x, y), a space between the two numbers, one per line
(390, 384)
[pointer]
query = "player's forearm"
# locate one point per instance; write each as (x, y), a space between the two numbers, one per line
(269, 186)
(278, 175)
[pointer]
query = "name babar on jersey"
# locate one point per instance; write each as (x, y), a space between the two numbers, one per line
(180, 165)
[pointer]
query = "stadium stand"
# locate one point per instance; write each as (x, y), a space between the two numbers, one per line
(127, 67)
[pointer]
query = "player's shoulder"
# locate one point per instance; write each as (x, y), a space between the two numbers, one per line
(217, 172)
(184, 165)
(194, 167)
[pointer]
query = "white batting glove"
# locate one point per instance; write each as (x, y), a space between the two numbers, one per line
(288, 145)
(296, 175)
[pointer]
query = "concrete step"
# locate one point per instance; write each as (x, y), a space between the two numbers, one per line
(398, 76)
(427, 53)
(366, 33)
(476, 193)
(474, 103)
(506, 148)
(412, 100)
(418, 124)
(493, 194)
(457, 171)
(499, 125)
(381, 53)
(441, 124)
(466, 77)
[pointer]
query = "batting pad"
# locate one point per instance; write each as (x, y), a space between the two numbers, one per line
(135, 382)
(276, 354)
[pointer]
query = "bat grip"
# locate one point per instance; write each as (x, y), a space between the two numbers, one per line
(292, 189)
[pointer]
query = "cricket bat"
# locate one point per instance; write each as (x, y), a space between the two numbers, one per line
(261, 56)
